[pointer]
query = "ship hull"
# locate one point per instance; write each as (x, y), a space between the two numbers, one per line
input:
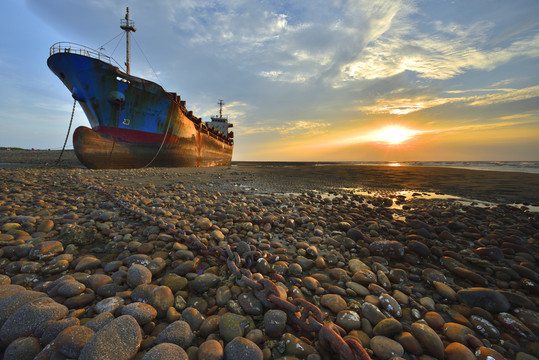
(134, 122)
(98, 150)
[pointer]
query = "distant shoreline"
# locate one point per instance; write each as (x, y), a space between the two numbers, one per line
(282, 177)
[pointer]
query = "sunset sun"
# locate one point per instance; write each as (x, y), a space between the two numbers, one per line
(393, 135)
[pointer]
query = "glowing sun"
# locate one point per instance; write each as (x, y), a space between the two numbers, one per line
(393, 135)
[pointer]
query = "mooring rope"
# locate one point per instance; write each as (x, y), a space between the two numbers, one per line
(68, 131)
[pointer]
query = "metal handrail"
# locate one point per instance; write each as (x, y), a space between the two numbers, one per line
(74, 48)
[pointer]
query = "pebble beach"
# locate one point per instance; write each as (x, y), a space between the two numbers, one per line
(412, 262)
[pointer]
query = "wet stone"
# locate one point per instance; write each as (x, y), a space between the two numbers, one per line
(429, 340)
(484, 298)
(358, 288)
(275, 322)
(419, 248)
(296, 347)
(445, 290)
(142, 292)
(433, 276)
(409, 343)
(456, 332)
(95, 281)
(204, 282)
(193, 317)
(393, 249)
(390, 305)
(372, 313)
(484, 327)
(388, 327)
(88, 262)
(435, 320)
(241, 348)
(250, 304)
(457, 351)
(46, 250)
(515, 326)
(223, 295)
(348, 320)
(333, 302)
(386, 348)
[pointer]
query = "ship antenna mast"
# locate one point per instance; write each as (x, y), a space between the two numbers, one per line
(127, 26)
(221, 103)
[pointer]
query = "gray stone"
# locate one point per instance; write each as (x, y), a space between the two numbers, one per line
(118, 340)
(72, 340)
(76, 234)
(179, 333)
(12, 303)
(99, 321)
(138, 275)
(143, 313)
(274, 322)
(166, 351)
(204, 282)
(232, 325)
(25, 348)
(31, 318)
(52, 331)
(241, 348)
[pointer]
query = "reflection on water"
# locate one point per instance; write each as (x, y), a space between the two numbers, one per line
(396, 200)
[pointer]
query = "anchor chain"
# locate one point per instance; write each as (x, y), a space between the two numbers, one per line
(303, 314)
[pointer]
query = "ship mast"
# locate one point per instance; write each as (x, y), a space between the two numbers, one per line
(221, 103)
(127, 26)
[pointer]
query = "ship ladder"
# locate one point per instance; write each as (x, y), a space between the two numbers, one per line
(68, 131)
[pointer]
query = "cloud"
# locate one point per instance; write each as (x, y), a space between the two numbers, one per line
(508, 96)
(306, 128)
(406, 105)
(450, 51)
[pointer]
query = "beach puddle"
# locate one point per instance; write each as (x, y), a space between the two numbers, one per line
(380, 198)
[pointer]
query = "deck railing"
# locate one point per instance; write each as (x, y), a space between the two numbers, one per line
(73, 48)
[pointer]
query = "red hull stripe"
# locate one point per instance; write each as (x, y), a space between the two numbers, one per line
(135, 136)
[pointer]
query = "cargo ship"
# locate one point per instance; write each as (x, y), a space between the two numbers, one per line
(134, 122)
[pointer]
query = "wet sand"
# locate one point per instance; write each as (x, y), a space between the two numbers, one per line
(492, 186)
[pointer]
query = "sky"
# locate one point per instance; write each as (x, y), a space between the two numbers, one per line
(317, 80)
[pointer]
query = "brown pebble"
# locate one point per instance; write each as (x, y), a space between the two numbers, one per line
(457, 351)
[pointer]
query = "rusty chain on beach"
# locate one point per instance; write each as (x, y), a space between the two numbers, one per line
(303, 314)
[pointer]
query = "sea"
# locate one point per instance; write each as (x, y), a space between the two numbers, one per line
(509, 166)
